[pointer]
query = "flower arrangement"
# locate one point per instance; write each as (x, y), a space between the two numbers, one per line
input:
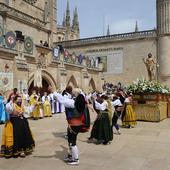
(144, 86)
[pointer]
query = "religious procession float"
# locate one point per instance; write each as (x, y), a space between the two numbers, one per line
(151, 100)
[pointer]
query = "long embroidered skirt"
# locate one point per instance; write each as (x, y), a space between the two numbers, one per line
(16, 138)
(129, 117)
(102, 130)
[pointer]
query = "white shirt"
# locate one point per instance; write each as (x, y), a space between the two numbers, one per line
(51, 95)
(89, 96)
(67, 95)
(43, 98)
(26, 96)
(67, 102)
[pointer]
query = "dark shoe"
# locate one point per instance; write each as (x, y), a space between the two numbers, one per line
(90, 140)
(68, 158)
(128, 126)
(98, 142)
(66, 136)
(106, 143)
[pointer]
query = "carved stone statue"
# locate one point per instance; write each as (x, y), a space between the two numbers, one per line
(150, 65)
(41, 61)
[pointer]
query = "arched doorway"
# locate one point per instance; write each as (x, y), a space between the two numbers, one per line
(41, 90)
(92, 86)
(72, 82)
(47, 80)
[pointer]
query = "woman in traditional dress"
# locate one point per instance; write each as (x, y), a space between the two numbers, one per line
(17, 139)
(40, 106)
(36, 112)
(47, 108)
(32, 100)
(75, 109)
(4, 116)
(129, 119)
(101, 131)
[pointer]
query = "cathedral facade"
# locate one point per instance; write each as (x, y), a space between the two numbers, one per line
(122, 54)
(28, 57)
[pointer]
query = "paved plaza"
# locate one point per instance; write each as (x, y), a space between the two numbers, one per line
(146, 147)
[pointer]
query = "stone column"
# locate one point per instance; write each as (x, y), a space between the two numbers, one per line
(62, 74)
(84, 80)
(163, 30)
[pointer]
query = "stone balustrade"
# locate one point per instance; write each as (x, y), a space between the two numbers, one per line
(114, 37)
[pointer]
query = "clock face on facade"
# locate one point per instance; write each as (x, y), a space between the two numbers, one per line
(31, 1)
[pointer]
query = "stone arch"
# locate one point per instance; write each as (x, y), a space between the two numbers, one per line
(92, 85)
(72, 82)
(47, 80)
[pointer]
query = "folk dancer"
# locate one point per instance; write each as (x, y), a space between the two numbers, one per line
(101, 130)
(75, 109)
(17, 138)
(129, 119)
(117, 107)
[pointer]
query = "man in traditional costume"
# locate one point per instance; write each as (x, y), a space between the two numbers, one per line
(118, 108)
(75, 109)
(13, 94)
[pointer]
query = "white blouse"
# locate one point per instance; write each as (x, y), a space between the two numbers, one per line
(127, 100)
(117, 102)
(102, 106)
(10, 108)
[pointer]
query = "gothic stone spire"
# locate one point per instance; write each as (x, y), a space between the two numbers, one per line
(64, 20)
(68, 15)
(136, 27)
(108, 30)
(75, 20)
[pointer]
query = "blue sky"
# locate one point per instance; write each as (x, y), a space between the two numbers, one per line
(121, 15)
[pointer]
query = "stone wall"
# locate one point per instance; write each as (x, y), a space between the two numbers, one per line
(36, 10)
(35, 33)
(133, 51)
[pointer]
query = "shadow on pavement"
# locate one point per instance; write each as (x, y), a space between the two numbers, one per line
(60, 134)
(58, 154)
